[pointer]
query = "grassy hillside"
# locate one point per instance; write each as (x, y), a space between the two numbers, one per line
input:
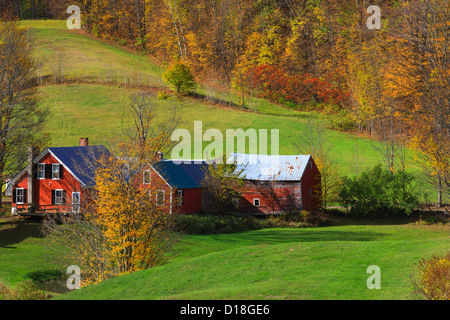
(97, 109)
(320, 263)
(84, 57)
(99, 112)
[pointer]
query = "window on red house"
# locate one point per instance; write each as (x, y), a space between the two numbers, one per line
(56, 171)
(41, 171)
(180, 197)
(76, 201)
(160, 197)
(147, 177)
(59, 197)
(20, 196)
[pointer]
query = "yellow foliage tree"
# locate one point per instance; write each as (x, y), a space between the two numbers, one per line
(135, 228)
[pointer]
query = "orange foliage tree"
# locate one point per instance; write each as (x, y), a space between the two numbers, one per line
(119, 229)
(135, 228)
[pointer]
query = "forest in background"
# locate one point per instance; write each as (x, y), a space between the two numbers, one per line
(390, 83)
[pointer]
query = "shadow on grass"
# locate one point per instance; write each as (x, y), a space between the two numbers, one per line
(50, 280)
(13, 231)
(275, 236)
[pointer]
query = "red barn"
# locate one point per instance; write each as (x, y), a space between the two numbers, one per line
(57, 180)
(276, 184)
(177, 185)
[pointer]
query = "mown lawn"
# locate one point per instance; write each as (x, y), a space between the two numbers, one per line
(311, 263)
(23, 250)
(319, 263)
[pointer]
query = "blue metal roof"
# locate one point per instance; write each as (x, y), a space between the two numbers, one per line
(82, 162)
(185, 175)
(270, 167)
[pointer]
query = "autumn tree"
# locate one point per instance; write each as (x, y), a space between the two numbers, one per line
(223, 182)
(374, 106)
(420, 79)
(135, 227)
(119, 228)
(148, 134)
(313, 142)
(21, 116)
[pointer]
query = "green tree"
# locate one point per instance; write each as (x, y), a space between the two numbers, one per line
(379, 191)
(180, 77)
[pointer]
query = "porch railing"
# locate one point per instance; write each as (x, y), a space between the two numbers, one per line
(33, 209)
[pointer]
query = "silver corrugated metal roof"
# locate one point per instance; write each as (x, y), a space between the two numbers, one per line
(271, 167)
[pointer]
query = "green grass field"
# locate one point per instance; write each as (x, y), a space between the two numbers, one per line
(320, 263)
(23, 250)
(311, 263)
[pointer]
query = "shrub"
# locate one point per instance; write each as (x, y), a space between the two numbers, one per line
(212, 224)
(378, 191)
(26, 290)
(316, 219)
(122, 42)
(275, 84)
(298, 219)
(341, 120)
(434, 278)
(162, 95)
(295, 216)
(44, 275)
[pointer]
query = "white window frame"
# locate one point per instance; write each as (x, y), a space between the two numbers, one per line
(254, 202)
(62, 197)
(23, 196)
(59, 171)
(39, 171)
(180, 197)
(150, 177)
(163, 192)
(75, 205)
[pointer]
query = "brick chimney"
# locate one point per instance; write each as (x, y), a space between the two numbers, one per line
(33, 151)
(159, 156)
(84, 142)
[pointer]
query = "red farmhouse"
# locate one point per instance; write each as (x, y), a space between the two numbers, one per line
(56, 180)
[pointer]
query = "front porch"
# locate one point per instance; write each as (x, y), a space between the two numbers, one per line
(33, 210)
